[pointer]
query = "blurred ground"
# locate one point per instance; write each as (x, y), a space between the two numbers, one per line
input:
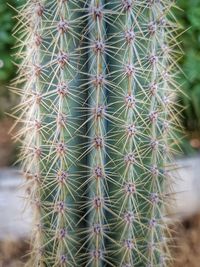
(15, 218)
(186, 251)
(15, 225)
(12, 253)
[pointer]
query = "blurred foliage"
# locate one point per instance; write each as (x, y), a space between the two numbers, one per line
(7, 68)
(8, 150)
(189, 18)
(7, 42)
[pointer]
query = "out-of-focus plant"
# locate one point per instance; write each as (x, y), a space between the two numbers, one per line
(6, 41)
(190, 63)
(7, 72)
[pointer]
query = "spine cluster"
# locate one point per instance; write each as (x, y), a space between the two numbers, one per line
(97, 90)
(95, 105)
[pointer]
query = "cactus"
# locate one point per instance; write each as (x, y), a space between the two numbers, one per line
(97, 89)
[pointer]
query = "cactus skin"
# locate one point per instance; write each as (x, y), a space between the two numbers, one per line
(97, 90)
(95, 183)
(50, 102)
(144, 93)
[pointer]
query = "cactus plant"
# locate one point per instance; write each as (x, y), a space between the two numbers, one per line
(97, 105)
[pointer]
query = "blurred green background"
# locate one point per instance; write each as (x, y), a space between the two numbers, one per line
(188, 16)
(189, 19)
(7, 70)
(7, 43)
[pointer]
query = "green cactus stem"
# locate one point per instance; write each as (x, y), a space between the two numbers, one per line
(97, 86)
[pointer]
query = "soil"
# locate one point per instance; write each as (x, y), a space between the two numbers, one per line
(12, 253)
(186, 251)
(7, 147)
